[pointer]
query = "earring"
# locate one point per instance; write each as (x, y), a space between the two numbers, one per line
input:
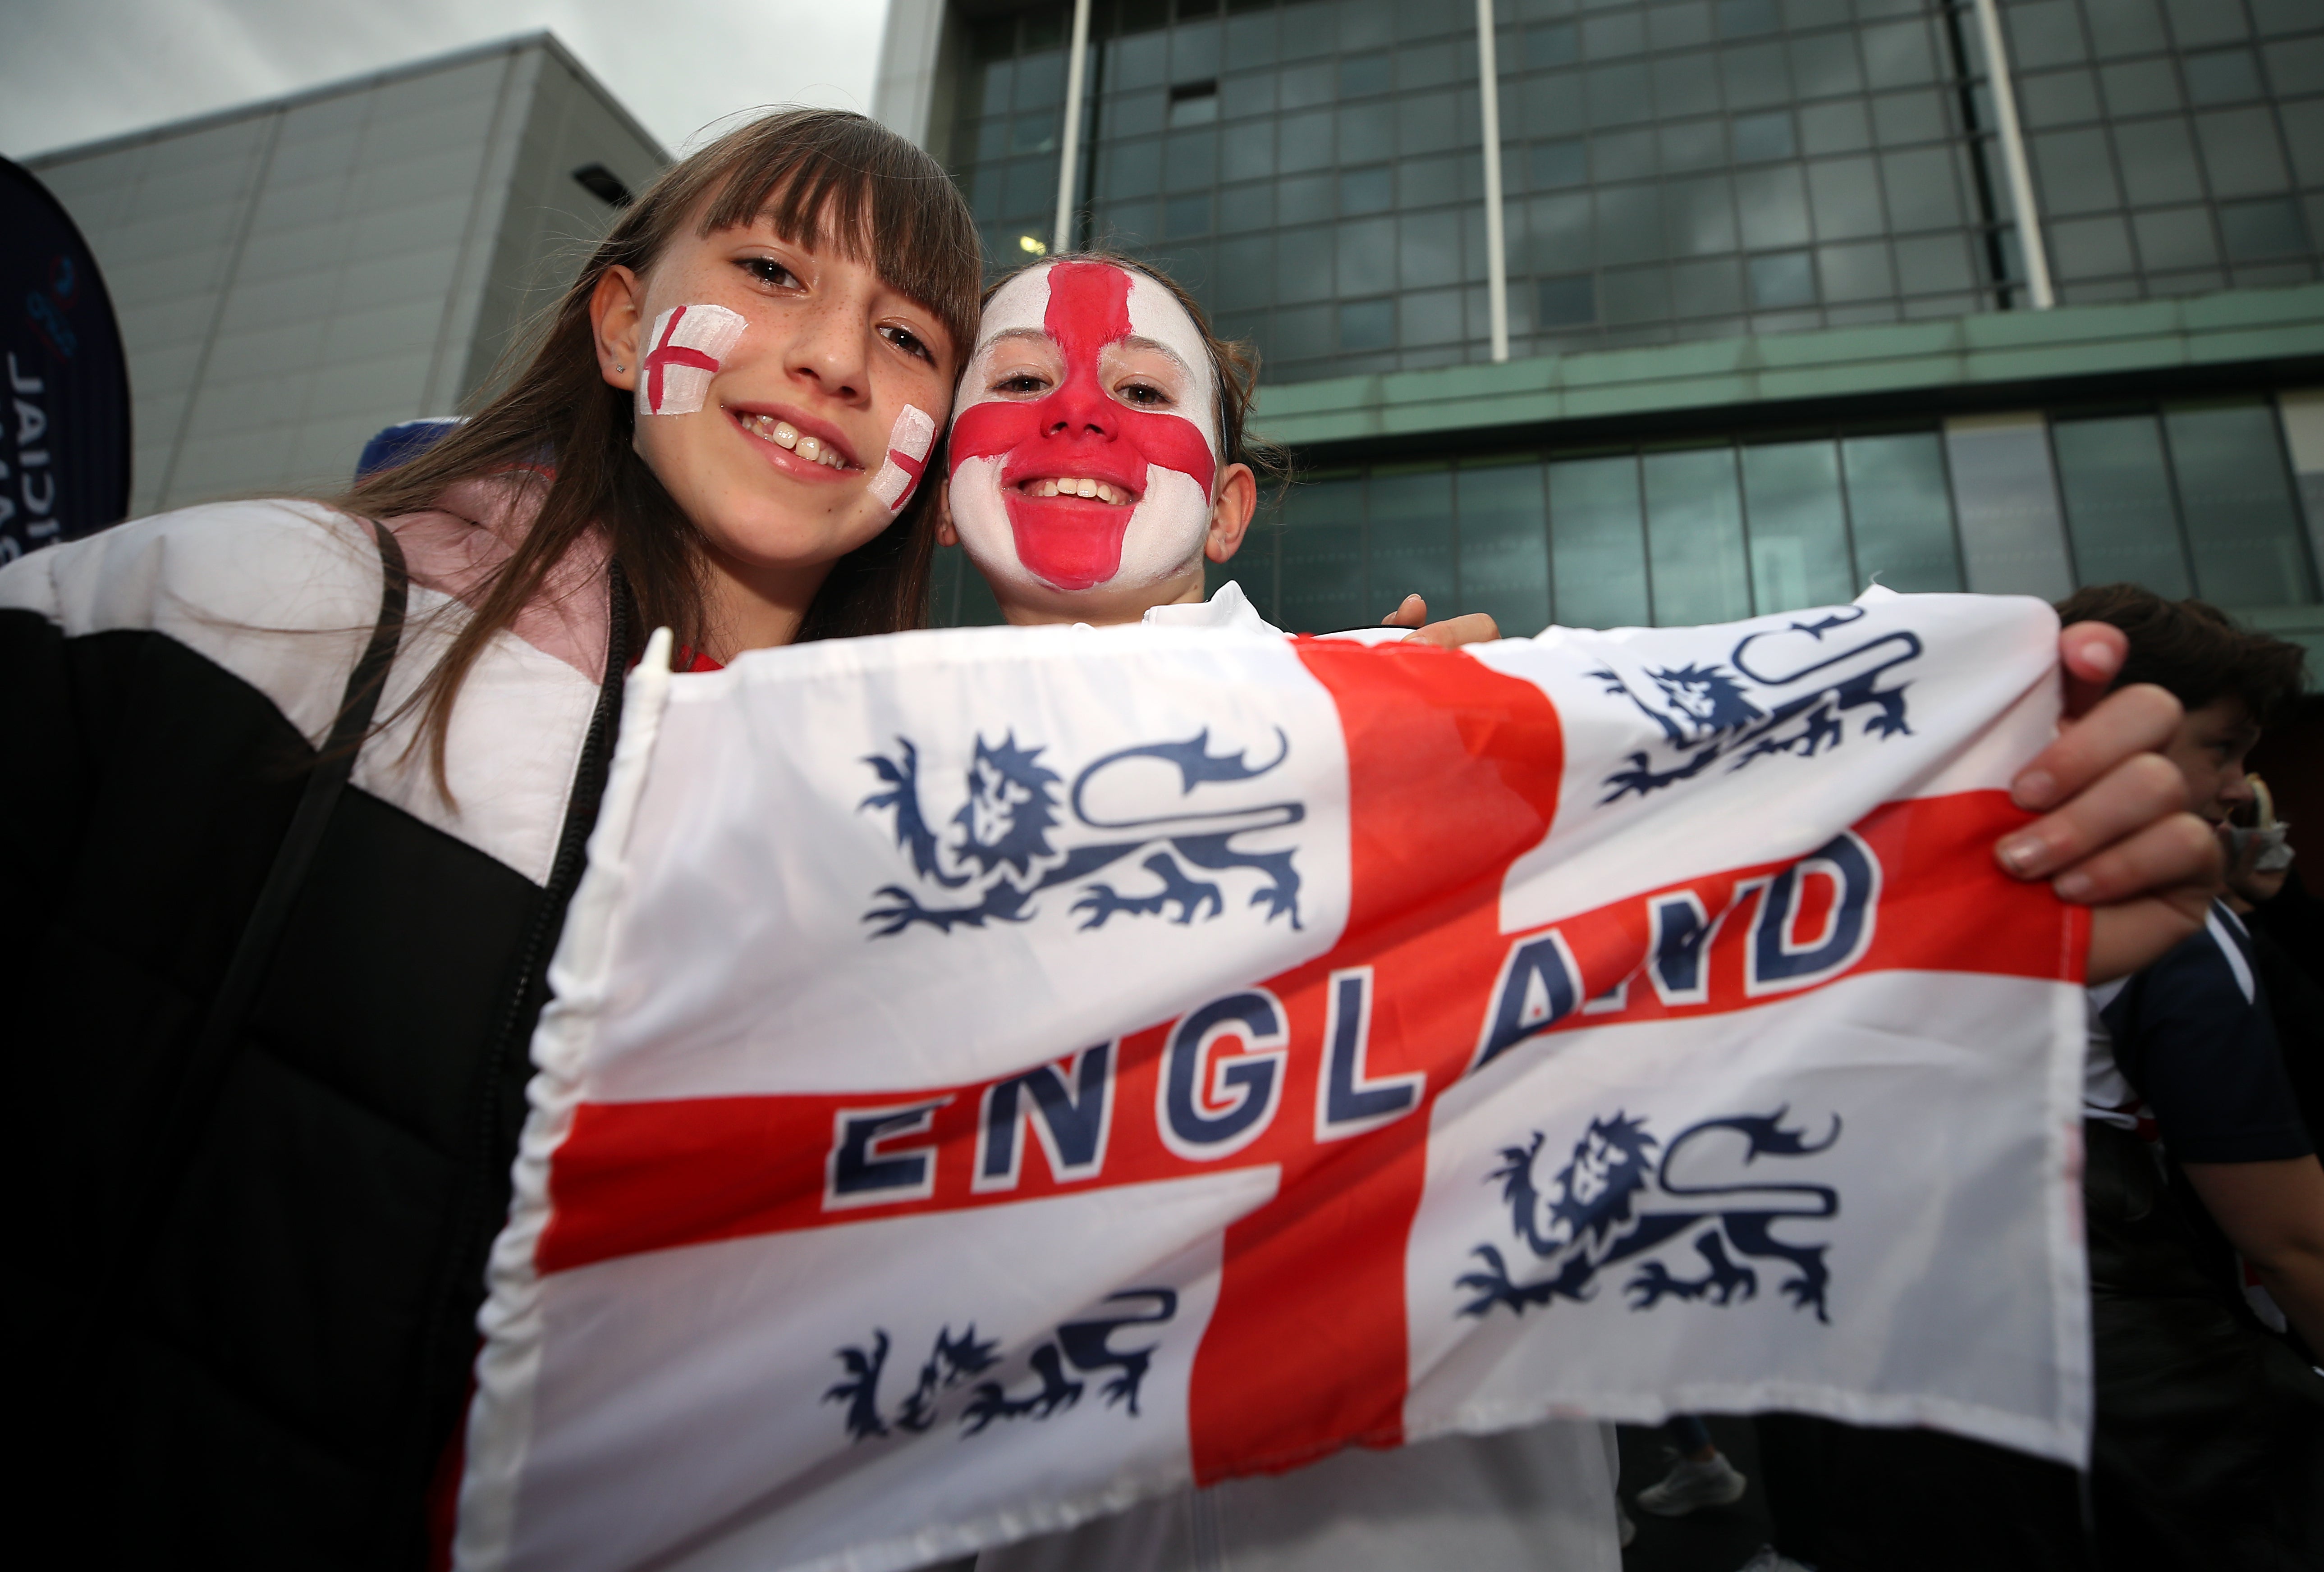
(620, 368)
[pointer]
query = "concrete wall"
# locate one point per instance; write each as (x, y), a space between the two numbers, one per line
(294, 276)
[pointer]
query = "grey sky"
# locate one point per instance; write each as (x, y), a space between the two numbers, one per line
(75, 71)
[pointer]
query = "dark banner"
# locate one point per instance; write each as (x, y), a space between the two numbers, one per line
(64, 459)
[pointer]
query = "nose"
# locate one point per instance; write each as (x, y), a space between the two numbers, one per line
(827, 349)
(1080, 408)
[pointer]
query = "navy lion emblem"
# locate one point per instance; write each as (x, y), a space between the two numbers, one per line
(1780, 691)
(1612, 1200)
(1020, 829)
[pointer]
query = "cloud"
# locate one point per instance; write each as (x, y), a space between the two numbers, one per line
(77, 70)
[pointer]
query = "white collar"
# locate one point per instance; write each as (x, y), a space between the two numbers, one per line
(1229, 609)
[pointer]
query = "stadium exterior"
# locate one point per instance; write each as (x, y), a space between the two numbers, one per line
(1772, 329)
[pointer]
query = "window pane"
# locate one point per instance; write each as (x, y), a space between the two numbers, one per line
(1900, 512)
(2118, 508)
(1694, 536)
(2233, 485)
(1597, 543)
(1323, 556)
(1799, 525)
(1411, 536)
(1504, 547)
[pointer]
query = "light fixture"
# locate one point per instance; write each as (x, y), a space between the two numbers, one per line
(1025, 242)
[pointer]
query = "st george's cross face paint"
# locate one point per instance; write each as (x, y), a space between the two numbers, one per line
(1142, 501)
(909, 442)
(682, 355)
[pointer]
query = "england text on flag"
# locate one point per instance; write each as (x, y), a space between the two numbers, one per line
(1100, 1061)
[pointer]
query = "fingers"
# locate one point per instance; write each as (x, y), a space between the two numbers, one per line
(2124, 724)
(2091, 653)
(1476, 628)
(2130, 934)
(1413, 614)
(2171, 854)
(2131, 797)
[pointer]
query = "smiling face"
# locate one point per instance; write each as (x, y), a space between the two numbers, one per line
(785, 396)
(1084, 455)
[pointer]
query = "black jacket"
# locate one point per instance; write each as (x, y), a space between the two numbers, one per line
(252, 1283)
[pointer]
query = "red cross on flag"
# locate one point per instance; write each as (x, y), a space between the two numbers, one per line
(997, 1075)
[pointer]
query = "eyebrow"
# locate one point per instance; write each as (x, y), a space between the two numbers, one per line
(1133, 340)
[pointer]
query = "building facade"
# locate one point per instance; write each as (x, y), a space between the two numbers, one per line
(1774, 330)
(292, 276)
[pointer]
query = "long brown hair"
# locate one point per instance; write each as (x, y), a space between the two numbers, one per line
(819, 176)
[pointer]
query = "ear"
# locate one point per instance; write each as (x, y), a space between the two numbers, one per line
(1230, 514)
(946, 534)
(617, 321)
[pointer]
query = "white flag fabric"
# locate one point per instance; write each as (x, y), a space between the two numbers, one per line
(998, 1075)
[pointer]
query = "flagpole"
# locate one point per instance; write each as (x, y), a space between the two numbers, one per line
(1069, 151)
(1489, 102)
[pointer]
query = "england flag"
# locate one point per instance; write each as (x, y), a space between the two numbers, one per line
(996, 1076)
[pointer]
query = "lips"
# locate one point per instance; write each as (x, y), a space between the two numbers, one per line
(815, 441)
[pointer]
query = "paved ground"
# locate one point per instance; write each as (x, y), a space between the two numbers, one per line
(1716, 1539)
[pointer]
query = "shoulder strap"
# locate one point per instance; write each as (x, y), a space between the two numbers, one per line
(205, 1069)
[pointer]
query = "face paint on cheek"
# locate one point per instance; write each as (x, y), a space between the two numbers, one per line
(1158, 466)
(688, 344)
(907, 451)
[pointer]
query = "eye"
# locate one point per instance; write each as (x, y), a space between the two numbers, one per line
(767, 271)
(1144, 395)
(905, 339)
(1022, 385)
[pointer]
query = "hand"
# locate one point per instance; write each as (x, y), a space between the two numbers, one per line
(2115, 835)
(1476, 628)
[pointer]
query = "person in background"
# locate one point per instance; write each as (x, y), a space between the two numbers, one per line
(2209, 1442)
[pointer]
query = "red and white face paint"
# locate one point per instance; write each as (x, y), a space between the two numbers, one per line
(1143, 503)
(683, 353)
(909, 442)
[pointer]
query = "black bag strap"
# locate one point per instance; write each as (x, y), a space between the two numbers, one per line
(206, 1068)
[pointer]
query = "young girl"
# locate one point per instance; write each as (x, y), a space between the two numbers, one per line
(274, 934)
(1097, 459)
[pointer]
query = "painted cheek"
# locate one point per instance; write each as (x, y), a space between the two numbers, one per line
(687, 346)
(908, 452)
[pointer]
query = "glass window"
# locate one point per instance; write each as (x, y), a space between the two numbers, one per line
(1304, 140)
(1701, 217)
(1921, 194)
(1744, 18)
(1846, 196)
(2045, 34)
(2297, 66)
(1032, 187)
(1303, 264)
(1707, 289)
(2240, 153)
(2179, 237)
(1305, 199)
(1933, 265)
(1367, 325)
(1857, 272)
(1619, 32)
(1197, 104)
(1367, 133)
(1186, 215)
(2194, 21)
(1558, 232)
(2233, 484)
(1686, 85)
(1897, 55)
(1424, 123)
(1305, 86)
(1131, 114)
(1782, 280)
(1677, 26)
(1839, 127)
(1410, 532)
(1622, 155)
(2228, 76)
(2259, 231)
(1697, 144)
(1430, 318)
(2059, 97)
(2125, 27)
(1798, 526)
(1762, 138)
(2091, 248)
(1303, 332)
(2077, 176)
(1630, 223)
(1617, 96)
(1192, 160)
(1558, 44)
(1636, 295)
(1324, 553)
(1568, 302)
(1428, 251)
(1372, 191)
(1900, 513)
(1597, 543)
(1552, 106)
(1756, 76)
(1367, 249)
(1557, 164)
(1247, 152)
(1435, 64)
(1246, 273)
(2158, 161)
(1772, 205)
(2117, 496)
(1694, 537)
(2140, 87)
(1504, 545)
(1363, 74)
(1824, 66)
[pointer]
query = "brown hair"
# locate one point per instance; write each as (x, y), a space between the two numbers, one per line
(2192, 649)
(1235, 366)
(818, 176)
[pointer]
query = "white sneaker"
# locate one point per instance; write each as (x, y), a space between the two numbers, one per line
(1768, 1559)
(1692, 1486)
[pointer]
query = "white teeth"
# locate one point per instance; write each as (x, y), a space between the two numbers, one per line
(808, 447)
(785, 434)
(1113, 496)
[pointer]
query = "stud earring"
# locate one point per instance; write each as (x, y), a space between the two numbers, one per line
(620, 368)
